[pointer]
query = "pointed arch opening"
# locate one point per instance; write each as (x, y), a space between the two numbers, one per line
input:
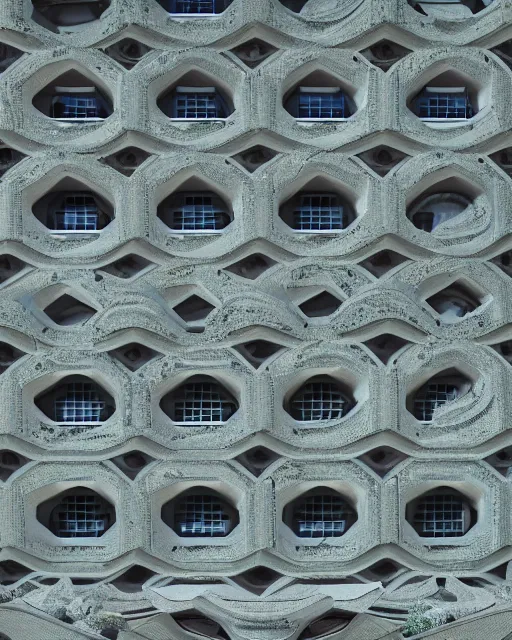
(67, 15)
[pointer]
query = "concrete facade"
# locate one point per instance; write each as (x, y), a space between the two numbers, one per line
(374, 315)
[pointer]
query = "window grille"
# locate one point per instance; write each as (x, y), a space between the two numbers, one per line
(434, 395)
(81, 404)
(320, 212)
(78, 103)
(196, 6)
(78, 212)
(441, 516)
(198, 103)
(444, 103)
(319, 401)
(199, 212)
(80, 516)
(322, 105)
(202, 403)
(322, 516)
(202, 516)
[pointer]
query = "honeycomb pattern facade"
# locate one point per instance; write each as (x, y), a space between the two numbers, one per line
(407, 328)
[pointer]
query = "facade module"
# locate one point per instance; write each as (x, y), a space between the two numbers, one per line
(255, 319)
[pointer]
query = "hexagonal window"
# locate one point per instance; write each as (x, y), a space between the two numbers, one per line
(321, 305)
(196, 96)
(194, 311)
(10, 462)
(8, 55)
(255, 157)
(132, 463)
(77, 513)
(258, 352)
(195, 209)
(10, 266)
(201, 8)
(257, 459)
(200, 401)
(385, 346)
(450, 97)
(449, 9)
(319, 207)
(67, 311)
(73, 98)
(454, 302)
(127, 160)
(441, 513)
(199, 625)
(320, 97)
(76, 401)
(134, 355)
(320, 398)
(252, 266)
(442, 389)
(382, 159)
(9, 158)
(126, 267)
(382, 459)
(128, 52)
(383, 261)
(319, 513)
(327, 625)
(253, 52)
(72, 209)
(385, 53)
(67, 15)
(438, 206)
(200, 512)
(9, 355)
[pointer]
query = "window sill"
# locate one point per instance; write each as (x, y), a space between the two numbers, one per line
(182, 234)
(75, 425)
(198, 424)
(198, 119)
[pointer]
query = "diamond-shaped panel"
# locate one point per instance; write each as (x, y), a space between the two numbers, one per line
(67, 310)
(8, 158)
(127, 266)
(8, 55)
(255, 157)
(257, 352)
(382, 159)
(134, 355)
(257, 580)
(385, 346)
(132, 463)
(10, 462)
(385, 53)
(127, 160)
(251, 267)
(257, 459)
(253, 52)
(454, 302)
(382, 459)
(128, 52)
(9, 355)
(321, 305)
(382, 262)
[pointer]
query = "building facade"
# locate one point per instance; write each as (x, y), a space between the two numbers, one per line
(255, 319)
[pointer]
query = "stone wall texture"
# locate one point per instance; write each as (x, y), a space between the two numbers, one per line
(382, 309)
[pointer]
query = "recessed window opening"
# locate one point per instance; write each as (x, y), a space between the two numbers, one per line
(440, 204)
(317, 209)
(294, 5)
(8, 356)
(76, 401)
(68, 13)
(257, 580)
(77, 513)
(67, 311)
(385, 53)
(320, 513)
(69, 209)
(9, 158)
(254, 157)
(454, 302)
(200, 401)
(195, 7)
(127, 160)
(449, 9)
(195, 97)
(132, 463)
(382, 262)
(127, 266)
(251, 267)
(8, 55)
(134, 355)
(327, 625)
(73, 98)
(448, 97)
(319, 97)
(253, 52)
(382, 459)
(258, 351)
(504, 349)
(321, 305)
(194, 311)
(440, 390)
(320, 398)
(128, 52)
(196, 212)
(9, 463)
(198, 624)
(9, 267)
(257, 459)
(200, 513)
(442, 513)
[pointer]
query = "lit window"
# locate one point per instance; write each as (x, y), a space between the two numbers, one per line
(198, 212)
(198, 103)
(78, 103)
(321, 513)
(78, 212)
(81, 515)
(80, 404)
(319, 103)
(200, 401)
(442, 515)
(320, 212)
(202, 515)
(319, 400)
(441, 103)
(197, 6)
(432, 396)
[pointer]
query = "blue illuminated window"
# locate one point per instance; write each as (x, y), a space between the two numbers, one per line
(198, 212)
(197, 6)
(78, 103)
(198, 103)
(78, 212)
(320, 103)
(320, 212)
(444, 103)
